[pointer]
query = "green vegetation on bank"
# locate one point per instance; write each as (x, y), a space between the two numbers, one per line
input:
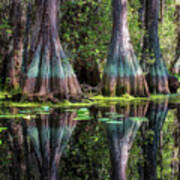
(94, 100)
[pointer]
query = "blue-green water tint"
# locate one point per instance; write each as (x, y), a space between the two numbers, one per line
(132, 141)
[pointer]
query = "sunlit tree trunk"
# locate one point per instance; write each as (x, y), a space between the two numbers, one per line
(176, 64)
(157, 77)
(162, 7)
(122, 72)
(49, 73)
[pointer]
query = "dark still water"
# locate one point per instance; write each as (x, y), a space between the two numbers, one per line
(132, 141)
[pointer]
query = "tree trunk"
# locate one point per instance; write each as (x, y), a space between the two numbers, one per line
(157, 77)
(17, 52)
(122, 72)
(162, 7)
(49, 73)
(176, 64)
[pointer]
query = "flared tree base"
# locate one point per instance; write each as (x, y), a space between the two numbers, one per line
(176, 67)
(158, 85)
(157, 78)
(132, 85)
(50, 76)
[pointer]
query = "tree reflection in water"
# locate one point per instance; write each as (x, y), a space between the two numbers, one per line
(40, 141)
(150, 133)
(121, 136)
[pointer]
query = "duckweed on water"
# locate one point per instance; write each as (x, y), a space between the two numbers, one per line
(101, 101)
(13, 116)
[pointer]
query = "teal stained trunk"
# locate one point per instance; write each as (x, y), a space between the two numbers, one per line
(49, 73)
(157, 73)
(122, 73)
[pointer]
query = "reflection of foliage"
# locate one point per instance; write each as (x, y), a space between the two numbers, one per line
(164, 152)
(88, 155)
(2, 129)
(122, 127)
(38, 141)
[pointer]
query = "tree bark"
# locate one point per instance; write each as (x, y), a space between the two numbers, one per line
(122, 72)
(162, 7)
(176, 64)
(17, 52)
(49, 73)
(157, 76)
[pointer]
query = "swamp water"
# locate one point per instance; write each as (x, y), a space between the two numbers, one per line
(138, 141)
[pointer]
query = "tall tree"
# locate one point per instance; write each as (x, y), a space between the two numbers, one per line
(122, 72)
(16, 59)
(176, 64)
(49, 73)
(157, 72)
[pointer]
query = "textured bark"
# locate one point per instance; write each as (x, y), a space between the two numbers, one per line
(176, 64)
(49, 73)
(162, 7)
(122, 72)
(26, 39)
(157, 77)
(17, 52)
(121, 137)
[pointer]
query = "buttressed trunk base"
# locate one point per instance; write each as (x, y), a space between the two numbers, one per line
(122, 73)
(50, 73)
(157, 77)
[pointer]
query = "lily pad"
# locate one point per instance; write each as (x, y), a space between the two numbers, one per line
(81, 118)
(103, 119)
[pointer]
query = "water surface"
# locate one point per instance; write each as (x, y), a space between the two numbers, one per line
(133, 141)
